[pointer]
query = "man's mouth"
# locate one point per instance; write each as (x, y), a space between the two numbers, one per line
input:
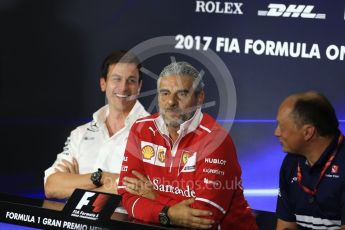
(121, 95)
(172, 111)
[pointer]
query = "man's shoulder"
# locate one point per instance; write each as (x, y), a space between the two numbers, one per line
(147, 120)
(213, 134)
(92, 126)
(342, 149)
(144, 123)
(209, 124)
(291, 160)
(138, 111)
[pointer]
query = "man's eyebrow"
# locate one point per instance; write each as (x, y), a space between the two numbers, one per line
(183, 91)
(115, 75)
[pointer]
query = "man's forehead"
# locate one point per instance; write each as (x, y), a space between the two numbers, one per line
(176, 82)
(285, 110)
(123, 70)
(122, 67)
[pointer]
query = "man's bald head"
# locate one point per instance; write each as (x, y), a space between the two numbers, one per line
(315, 109)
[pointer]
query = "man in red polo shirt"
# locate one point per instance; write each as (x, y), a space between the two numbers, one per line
(180, 166)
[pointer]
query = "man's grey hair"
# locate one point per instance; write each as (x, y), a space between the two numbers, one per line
(183, 69)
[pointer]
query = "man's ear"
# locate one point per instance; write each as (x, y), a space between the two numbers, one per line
(308, 132)
(201, 98)
(102, 84)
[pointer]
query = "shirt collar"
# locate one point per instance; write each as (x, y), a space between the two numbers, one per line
(186, 127)
(137, 111)
(328, 151)
(100, 115)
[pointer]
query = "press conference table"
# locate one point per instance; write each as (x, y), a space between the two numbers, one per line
(46, 214)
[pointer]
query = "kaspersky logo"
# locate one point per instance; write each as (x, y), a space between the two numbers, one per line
(291, 11)
(97, 204)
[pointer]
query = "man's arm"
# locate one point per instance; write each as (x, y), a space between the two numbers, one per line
(285, 225)
(62, 184)
(218, 178)
(63, 176)
(67, 178)
(285, 214)
(179, 213)
(109, 183)
(144, 208)
(137, 206)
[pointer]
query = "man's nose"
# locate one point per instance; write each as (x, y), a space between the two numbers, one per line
(123, 86)
(277, 132)
(172, 100)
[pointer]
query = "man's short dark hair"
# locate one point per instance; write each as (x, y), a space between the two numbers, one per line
(119, 56)
(317, 111)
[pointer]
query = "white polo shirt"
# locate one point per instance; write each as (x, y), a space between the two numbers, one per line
(93, 148)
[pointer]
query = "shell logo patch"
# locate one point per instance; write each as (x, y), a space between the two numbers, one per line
(148, 152)
(153, 154)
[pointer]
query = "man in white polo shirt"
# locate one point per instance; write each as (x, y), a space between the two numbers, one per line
(93, 154)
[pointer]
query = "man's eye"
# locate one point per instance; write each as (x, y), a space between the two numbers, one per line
(163, 93)
(132, 81)
(182, 94)
(116, 79)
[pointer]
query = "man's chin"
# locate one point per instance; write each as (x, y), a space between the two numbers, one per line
(173, 123)
(122, 106)
(287, 151)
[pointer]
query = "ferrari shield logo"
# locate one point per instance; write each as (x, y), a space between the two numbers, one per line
(161, 155)
(185, 156)
(187, 162)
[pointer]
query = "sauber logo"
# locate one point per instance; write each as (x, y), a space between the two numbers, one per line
(148, 152)
(293, 11)
(335, 169)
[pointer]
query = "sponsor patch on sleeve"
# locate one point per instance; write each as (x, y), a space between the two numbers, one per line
(153, 154)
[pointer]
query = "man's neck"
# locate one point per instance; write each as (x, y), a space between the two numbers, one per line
(115, 120)
(173, 133)
(317, 147)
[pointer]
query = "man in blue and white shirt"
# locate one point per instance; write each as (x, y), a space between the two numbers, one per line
(93, 154)
(312, 176)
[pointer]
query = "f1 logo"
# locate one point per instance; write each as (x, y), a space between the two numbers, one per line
(85, 199)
